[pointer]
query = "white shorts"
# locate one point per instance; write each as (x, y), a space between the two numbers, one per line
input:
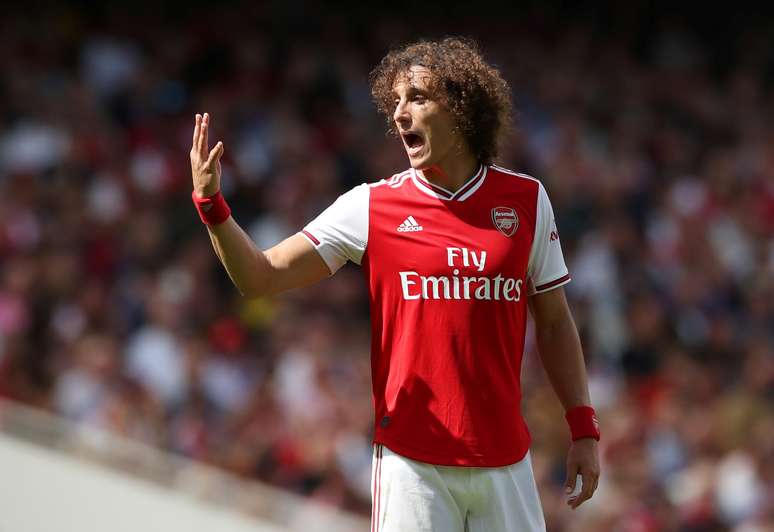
(411, 496)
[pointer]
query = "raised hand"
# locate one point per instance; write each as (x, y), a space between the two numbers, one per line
(205, 165)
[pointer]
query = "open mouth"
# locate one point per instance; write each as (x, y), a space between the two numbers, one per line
(414, 143)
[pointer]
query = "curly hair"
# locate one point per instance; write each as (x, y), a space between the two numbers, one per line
(467, 86)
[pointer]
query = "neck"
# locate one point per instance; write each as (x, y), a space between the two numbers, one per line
(451, 175)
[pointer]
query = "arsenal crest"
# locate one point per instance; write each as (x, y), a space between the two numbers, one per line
(505, 220)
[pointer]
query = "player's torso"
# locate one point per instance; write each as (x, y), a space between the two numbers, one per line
(448, 284)
(448, 288)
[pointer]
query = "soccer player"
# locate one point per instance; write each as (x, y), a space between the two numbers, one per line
(454, 251)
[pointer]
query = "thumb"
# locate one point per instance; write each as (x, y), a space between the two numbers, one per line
(572, 476)
(215, 153)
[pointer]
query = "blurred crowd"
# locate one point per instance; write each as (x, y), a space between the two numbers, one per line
(656, 150)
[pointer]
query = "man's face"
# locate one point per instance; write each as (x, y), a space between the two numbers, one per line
(425, 126)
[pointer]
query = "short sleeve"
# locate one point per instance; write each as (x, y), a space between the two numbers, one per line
(546, 269)
(340, 232)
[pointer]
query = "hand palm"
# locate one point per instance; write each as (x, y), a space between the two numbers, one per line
(205, 166)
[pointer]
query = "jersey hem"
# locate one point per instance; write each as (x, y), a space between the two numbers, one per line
(436, 459)
(311, 238)
(318, 248)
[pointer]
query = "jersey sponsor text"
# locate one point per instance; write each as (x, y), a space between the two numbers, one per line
(455, 286)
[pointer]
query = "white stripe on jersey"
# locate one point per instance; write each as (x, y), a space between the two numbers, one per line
(402, 180)
(475, 187)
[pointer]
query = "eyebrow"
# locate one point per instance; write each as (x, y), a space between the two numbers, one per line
(413, 90)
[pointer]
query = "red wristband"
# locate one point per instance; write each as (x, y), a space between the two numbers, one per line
(213, 210)
(583, 422)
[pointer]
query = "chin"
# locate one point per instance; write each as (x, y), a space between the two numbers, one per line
(419, 163)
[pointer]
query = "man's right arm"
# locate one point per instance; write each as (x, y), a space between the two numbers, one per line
(290, 264)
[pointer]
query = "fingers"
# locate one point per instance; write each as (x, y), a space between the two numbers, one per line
(200, 142)
(589, 483)
(583, 461)
(215, 154)
(197, 128)
(573, 473)
(204, 142)
(587, 489)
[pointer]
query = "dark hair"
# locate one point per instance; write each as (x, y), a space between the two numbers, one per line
(468, 87)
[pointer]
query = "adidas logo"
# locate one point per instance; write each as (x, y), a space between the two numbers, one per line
(409, 225)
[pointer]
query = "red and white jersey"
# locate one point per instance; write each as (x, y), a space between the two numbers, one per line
(448, 275)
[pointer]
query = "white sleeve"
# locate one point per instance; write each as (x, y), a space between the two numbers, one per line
(340, 232)
(546, 269)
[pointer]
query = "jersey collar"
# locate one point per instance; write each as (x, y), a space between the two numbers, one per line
(462, 193)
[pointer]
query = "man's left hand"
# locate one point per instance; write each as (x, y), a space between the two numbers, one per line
(583, 460)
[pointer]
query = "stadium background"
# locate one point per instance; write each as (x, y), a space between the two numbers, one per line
(651, 131)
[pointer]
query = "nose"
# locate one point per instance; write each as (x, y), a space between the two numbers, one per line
(401, 115)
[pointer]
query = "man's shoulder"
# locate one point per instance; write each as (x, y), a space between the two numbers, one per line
(512, 178)
(359, 196)
(395, 181)
(394, 188)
